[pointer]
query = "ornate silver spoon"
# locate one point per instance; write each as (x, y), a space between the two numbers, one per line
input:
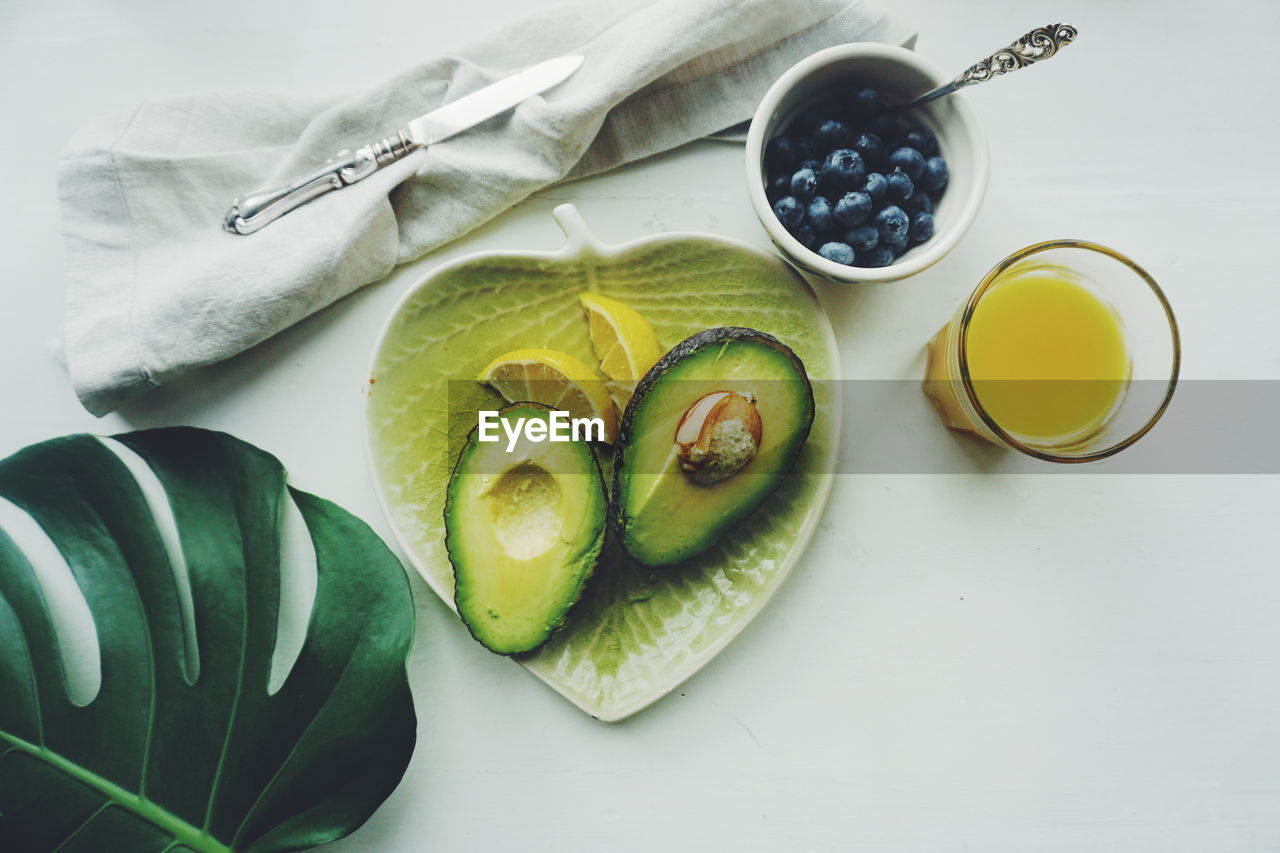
(1036, 46)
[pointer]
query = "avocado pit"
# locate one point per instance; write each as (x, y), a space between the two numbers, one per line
(717, 436)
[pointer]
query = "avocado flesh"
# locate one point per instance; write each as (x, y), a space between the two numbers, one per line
(523, 530)
(661, 515)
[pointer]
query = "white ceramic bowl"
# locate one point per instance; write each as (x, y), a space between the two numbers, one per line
(898, 74)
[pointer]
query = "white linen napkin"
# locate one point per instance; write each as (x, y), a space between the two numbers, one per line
(157, 288)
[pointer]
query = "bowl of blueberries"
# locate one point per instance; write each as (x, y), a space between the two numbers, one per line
(852, 191)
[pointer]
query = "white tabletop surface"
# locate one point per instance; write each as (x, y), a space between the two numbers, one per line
(990, 663)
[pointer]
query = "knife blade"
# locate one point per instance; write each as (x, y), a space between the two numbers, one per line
(470, 110)
(256, 210)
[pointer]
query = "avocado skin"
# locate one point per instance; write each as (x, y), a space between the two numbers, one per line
(558, 621)
(690, 345)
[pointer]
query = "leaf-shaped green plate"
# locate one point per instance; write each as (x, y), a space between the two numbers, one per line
(638, 632)
(196, 740)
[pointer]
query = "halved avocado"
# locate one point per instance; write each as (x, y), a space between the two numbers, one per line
(661, 514)
(523, 529)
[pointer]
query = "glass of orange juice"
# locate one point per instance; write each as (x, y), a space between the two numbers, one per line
(1067, 351)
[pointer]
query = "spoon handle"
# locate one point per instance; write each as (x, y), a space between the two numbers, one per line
(1036, 46)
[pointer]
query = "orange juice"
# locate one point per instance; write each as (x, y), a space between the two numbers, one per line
(1047, 358)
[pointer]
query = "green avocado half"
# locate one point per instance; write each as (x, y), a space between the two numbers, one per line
(660, 514)
(523, 528)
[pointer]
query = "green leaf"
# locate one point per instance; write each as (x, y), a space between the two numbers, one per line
(185, 748)
(637, 632)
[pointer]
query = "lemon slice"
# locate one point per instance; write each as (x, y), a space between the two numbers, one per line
(624, 343)
(555, 379)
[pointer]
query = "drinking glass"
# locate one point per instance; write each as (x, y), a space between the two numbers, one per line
(1151, 341)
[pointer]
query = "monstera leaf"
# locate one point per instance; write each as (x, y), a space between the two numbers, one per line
(637, 633)
(201, 736)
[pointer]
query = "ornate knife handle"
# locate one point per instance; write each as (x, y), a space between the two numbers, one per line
(260, 208)
(1039, 44)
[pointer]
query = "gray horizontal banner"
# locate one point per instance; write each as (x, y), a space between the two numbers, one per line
(1211, 427)
(891, 427)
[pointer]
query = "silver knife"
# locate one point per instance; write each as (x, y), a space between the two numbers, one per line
(261, 207)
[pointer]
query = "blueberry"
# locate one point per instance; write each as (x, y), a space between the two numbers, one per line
(779, 154)
(935, 174)
(843, 169)
(803, 147)
(789, 211)
(885, 126)
(853, 208)
(923, 140)
(920, 202)
(841, 253)
(832, 134)
(900, 186)
(880, 256)
(921, 227)
(777, 188)
(804, 184)
(805, 235)
(892, 223)
(864, 102)
(819, 214)
(815, 165)
(862, 238)
(876, 186)
(870, 147)
(908, 160)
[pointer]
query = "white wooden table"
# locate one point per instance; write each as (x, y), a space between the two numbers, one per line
(1017, 663)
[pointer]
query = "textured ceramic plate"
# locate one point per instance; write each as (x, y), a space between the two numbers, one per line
(638, 632)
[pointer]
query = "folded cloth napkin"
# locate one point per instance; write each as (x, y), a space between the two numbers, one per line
(156, 287)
